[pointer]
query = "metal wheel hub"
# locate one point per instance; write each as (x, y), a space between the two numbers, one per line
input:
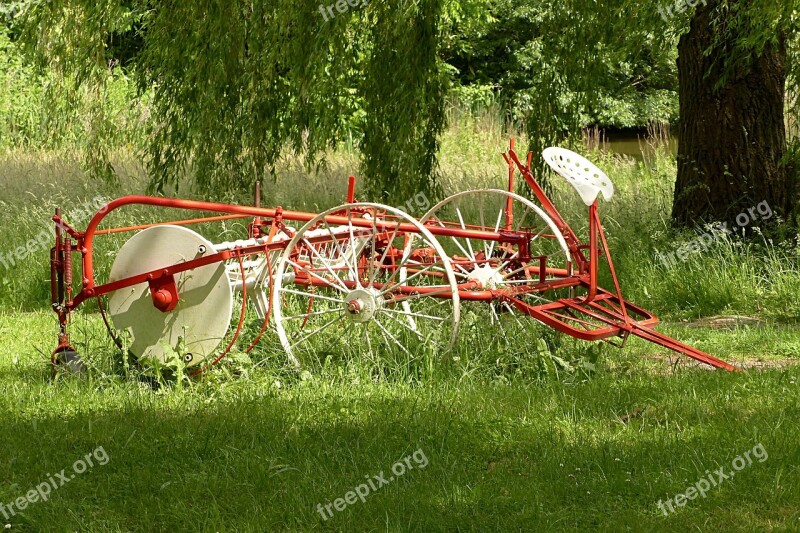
(486, 276)
(361, 305)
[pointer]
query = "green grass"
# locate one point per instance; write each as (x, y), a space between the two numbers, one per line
(258, 453)
(543, 433)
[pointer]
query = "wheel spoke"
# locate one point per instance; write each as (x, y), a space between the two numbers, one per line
(386, 332)
(315, 313)
(342, 252)
(514, 314)
(369, 343)
(311, 295)
(506, 275)
(464, 227)
(464, 271)
(496, 229)
(483, 226)
(493, 316)
(405, 281)
(500, 323)
(537, 297)
(525, 214)
(440, 268)
(341, 288)
(502, 266)
(324, 262)
(403, 260)
(416, 315)
(539, 234)
(318, 330)
(455, 240)
(372, 266)
(353, 245)
(385, 253)
(410, 325)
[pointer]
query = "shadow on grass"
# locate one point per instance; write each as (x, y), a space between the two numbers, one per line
(243, 457)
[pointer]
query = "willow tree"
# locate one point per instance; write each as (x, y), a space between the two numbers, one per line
(237, 83)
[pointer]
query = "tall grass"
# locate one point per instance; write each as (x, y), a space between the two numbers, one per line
(735, 275)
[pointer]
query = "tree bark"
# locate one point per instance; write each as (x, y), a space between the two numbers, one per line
(732, 137)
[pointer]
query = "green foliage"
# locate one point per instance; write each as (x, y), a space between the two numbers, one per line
(20, 98)
(519, 49)
(405, 110)
(40, 109)
(558, 68)
(226, 89)
(231, 86)
(236, 84)
(169, 372)
(246, 81)
(744, 29)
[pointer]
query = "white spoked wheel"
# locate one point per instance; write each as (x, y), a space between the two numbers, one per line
(502, 267)
(364, 287)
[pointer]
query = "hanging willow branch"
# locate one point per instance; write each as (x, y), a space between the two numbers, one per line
(237, 83)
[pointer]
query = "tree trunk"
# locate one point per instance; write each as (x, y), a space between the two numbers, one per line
(732, 137)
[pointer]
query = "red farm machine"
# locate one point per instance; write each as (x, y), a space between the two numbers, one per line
(364, 272)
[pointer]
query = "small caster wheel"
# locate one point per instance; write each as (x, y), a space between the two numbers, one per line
(68, 360)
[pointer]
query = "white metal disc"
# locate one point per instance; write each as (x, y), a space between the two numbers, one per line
(205, 304)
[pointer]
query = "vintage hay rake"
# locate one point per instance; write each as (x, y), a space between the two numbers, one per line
(363, 274)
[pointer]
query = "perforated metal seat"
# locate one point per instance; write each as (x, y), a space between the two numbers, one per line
(581, 173)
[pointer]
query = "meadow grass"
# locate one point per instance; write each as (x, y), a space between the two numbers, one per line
(534, 432)
(754, 276)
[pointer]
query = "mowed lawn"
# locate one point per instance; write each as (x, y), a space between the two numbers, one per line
(261, 451)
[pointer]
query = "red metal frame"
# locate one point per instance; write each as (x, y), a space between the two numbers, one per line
(597, 315)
